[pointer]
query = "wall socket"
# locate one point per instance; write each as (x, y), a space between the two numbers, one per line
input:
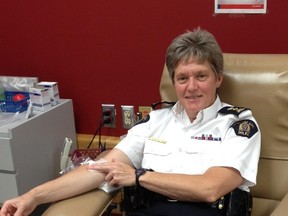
(128, 118)
(109, 114)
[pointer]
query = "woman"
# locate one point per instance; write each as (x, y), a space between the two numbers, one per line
(186, 157)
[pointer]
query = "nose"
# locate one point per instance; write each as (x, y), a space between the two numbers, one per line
(192, 84)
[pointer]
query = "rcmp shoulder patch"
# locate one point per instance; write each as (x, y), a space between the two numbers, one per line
(232, 110)
(143, 120)
(245, 128)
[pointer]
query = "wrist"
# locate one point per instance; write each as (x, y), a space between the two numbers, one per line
(30, 198)
(138, 174)
(37, 196)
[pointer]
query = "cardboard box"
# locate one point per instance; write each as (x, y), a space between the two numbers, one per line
(53, 91)
(39, 98)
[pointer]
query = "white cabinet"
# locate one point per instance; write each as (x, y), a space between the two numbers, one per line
(30, 149)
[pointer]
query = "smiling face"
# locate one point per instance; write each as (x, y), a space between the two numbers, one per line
(196, 84)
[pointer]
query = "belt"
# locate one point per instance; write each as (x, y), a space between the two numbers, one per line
(217, 204)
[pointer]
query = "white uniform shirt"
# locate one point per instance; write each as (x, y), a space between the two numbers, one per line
(168, 142)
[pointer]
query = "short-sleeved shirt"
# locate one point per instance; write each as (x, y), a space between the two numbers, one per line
(221, 135)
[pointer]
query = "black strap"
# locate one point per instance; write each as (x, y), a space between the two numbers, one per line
(166, 103)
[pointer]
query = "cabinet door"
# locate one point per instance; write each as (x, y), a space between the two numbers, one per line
(8, 187)
(6, 159)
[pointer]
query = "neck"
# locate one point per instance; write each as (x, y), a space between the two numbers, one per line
(192, 119)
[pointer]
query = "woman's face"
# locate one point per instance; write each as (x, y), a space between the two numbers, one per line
(195, 84)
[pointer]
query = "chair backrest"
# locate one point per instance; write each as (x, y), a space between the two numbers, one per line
(258, 82)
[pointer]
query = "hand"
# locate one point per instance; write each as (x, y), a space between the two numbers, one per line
(20, 206)
(118, 174)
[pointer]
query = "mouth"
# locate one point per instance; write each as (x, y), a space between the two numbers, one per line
(193, 97)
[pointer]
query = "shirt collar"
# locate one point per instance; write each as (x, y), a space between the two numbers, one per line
(203, 115)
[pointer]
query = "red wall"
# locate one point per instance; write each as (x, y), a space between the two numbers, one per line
(113, 51)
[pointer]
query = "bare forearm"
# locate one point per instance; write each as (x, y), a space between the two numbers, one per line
(73, 183)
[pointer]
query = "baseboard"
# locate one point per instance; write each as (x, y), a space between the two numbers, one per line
(83, 141)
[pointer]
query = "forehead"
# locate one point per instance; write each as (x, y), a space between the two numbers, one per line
(192, 64)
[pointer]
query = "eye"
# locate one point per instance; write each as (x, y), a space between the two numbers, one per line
(202, 76)
(181, 79)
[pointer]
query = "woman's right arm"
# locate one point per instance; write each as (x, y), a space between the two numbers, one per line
(71, 184)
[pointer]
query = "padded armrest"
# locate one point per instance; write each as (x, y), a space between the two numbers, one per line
(88, 204)
(282, 208)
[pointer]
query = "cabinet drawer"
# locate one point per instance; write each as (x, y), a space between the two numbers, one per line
(8, 188)
(6, 159)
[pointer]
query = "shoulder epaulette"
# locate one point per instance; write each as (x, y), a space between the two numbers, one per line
(164, 104)
(232, 110)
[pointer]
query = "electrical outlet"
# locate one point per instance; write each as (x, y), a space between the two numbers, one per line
(128, 120)
(109, 115)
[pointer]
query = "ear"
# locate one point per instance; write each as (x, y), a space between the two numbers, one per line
(219, 79)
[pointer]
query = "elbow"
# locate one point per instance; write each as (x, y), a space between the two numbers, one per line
(213, 197)
(212, 194)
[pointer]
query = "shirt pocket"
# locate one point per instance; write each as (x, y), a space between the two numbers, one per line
(199, 155)
(157, 148)
(202, 147)
(158, 156)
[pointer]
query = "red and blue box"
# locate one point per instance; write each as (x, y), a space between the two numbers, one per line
(10, 105)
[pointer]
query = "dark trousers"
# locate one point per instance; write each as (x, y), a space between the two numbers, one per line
(165, 208)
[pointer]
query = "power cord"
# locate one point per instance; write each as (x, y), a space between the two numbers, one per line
(105, 119)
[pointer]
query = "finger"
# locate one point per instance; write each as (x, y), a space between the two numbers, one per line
(109, 177)
(97, 165)
(100, 169)
(7, 210)
(113, 183)
(24, 210)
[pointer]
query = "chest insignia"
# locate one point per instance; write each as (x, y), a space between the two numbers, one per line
(245, 128)
(232, 110)
(208, 137)
(157, 140)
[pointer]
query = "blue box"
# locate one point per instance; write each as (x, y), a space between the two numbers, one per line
(9, 105)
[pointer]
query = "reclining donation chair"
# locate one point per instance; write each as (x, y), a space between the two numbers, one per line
(256, 81)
